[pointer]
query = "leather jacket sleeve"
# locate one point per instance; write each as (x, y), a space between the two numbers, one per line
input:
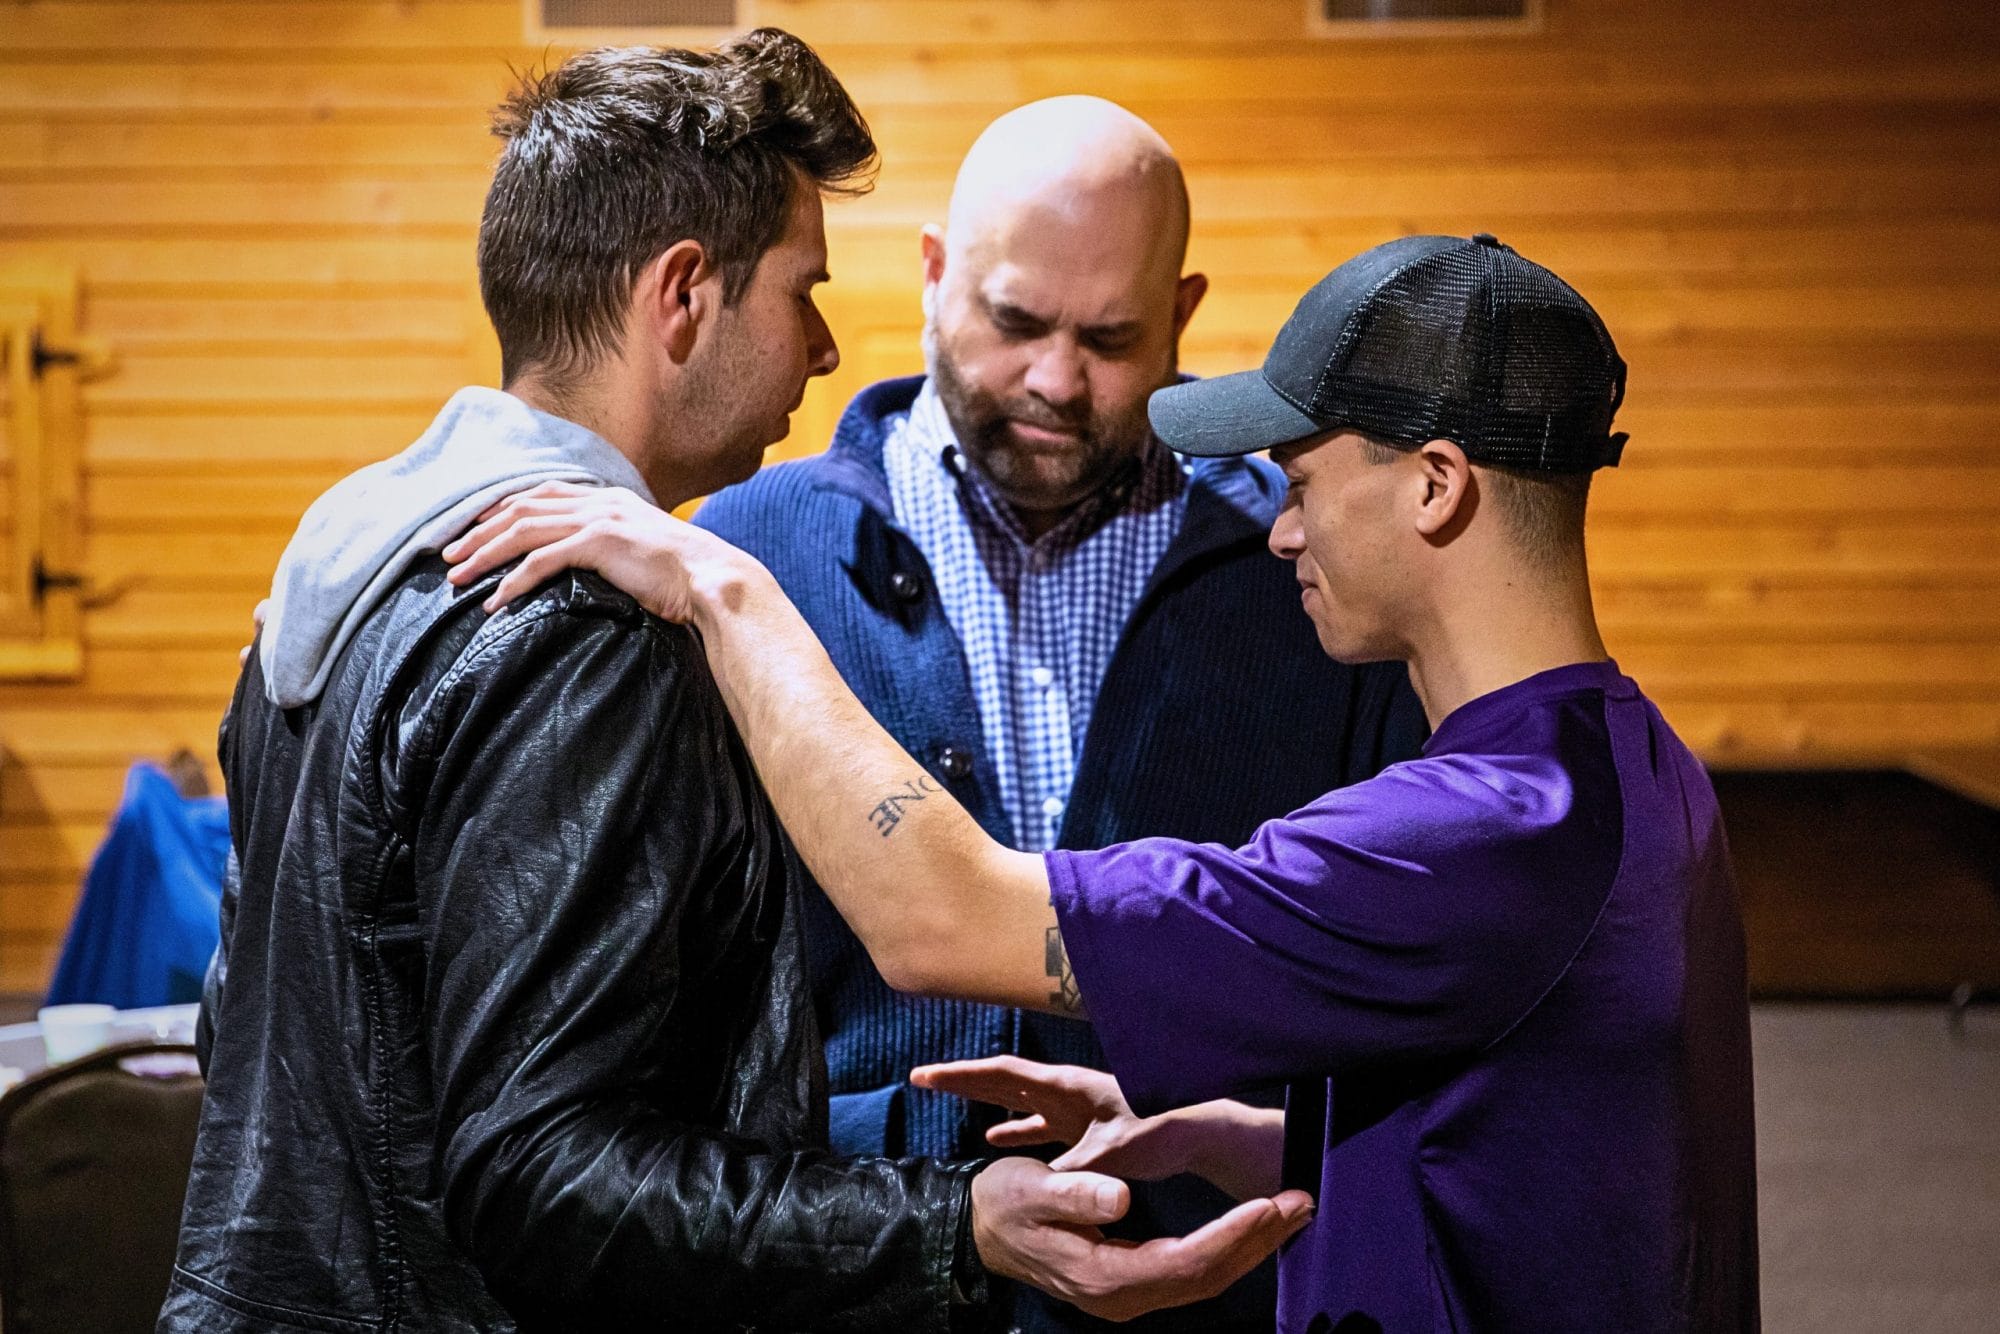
(566, 796)
(232, 882)
(218, 971)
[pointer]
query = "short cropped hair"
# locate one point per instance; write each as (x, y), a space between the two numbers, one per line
(1544, 510)
(619, 153)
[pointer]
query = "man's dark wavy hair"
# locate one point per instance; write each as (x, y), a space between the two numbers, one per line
(621, 152)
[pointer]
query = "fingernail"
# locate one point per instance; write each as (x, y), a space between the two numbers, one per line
(1107, 1198)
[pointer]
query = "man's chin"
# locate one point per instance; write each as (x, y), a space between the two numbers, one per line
(741, 463)
(1033, 479)
(747, 464)
(1352, 650)
(774, 434)
(1038, 499)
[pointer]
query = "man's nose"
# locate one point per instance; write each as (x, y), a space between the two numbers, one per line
(1056, 375)
(1288, 534)
(821, 348)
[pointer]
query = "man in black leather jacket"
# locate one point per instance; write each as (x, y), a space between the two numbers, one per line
(510, 1027)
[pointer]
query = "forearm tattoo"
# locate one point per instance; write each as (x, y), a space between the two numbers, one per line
(888, 812)
(1065, 997)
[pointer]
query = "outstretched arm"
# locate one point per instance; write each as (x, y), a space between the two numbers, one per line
(941, 908)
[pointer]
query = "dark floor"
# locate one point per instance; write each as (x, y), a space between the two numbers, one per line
(1878, 1146)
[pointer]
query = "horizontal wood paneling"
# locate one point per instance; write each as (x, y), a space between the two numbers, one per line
(1524, 190)
(1789, 213)
(931, 139)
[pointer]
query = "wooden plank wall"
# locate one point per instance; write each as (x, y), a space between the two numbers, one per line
(1788, 211)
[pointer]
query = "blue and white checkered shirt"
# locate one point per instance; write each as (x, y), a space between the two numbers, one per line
(1039, 619)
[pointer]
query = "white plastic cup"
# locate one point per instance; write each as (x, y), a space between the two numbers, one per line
(70, 1032)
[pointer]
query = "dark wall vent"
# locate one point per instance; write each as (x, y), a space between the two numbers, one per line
(557, 17)
(1389, 17)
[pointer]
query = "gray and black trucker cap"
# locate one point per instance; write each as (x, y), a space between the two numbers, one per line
(1423, 338)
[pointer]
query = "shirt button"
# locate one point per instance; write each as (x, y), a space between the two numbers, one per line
(1052, 807)
(956, 763)
(906, 586)
(1042, 677)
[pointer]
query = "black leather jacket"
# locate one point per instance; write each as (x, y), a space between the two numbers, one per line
(510, 1028)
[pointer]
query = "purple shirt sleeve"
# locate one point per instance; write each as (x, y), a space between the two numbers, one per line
(1414, 916)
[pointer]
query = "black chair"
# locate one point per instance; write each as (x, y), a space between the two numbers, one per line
(94, 1159)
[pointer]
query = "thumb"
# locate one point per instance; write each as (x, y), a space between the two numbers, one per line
(1295, 1207)
(1086, 1198)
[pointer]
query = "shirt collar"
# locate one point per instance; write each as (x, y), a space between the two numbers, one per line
(1459, 727)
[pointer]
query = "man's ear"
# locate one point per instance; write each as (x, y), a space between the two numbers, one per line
(676, 298)
(1447, 499)
(931, 243)
(1187, 296)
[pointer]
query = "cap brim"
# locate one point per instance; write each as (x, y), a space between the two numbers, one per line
(1231, 414)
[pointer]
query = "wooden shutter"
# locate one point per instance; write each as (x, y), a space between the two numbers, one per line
(43, 363)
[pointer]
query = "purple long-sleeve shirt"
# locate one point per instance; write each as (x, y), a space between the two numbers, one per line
(1504, 984)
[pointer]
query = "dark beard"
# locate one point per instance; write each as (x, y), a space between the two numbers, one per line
(980, 421)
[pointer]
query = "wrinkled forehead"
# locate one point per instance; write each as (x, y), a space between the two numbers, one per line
(1089, 264)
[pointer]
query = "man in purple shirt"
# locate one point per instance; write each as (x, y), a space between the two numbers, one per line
(1503, 981)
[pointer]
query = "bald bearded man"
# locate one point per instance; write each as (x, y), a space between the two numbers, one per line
(1080, 634)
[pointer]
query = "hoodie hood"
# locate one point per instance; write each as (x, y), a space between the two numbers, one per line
(358, 540)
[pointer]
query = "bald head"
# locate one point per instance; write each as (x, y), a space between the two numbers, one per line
(1073, 161)
(1054, 299)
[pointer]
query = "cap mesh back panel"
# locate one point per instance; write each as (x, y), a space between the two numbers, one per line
(1554, 357)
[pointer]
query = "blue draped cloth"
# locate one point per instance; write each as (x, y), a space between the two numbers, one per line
(148, 919)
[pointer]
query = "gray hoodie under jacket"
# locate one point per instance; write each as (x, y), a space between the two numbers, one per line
(360, 538)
